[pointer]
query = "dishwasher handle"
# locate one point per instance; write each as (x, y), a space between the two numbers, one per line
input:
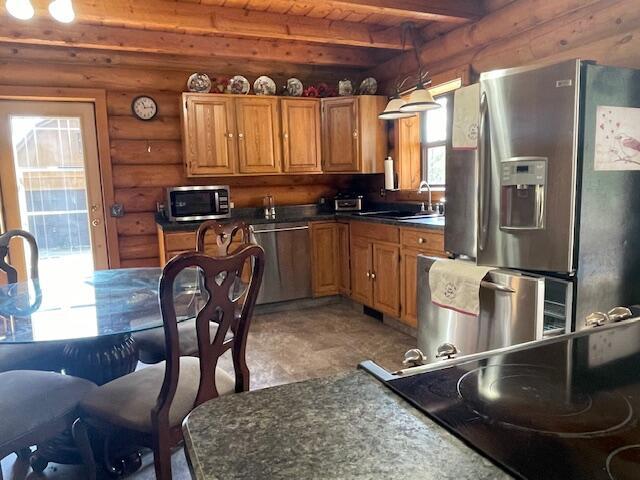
(290, 229)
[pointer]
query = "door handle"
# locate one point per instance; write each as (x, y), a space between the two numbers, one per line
(496, 287)
(484, 191)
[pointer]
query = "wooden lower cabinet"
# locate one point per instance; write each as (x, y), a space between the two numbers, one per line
(361, 265)
(344, 284)
(409, 287)
(325, 260)
(386, 278)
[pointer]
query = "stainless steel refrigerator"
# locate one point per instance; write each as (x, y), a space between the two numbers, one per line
(545, 204)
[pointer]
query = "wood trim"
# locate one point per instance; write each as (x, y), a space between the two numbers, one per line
(45, 32)
(99, 98)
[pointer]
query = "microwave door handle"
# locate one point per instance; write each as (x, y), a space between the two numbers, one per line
(484, 161)
(216, 201)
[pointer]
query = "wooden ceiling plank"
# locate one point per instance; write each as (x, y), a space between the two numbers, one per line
(198, 19)
(45, 32)
(450, 11)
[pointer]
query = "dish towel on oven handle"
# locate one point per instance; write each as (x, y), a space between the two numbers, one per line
(455, 284)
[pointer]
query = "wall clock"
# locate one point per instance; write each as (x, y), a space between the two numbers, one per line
(144, 107)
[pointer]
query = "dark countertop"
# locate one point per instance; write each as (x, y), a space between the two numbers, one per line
(347, 426)
(303, 213)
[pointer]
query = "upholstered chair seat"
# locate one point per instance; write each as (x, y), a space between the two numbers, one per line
(127, 401)
(36, 406)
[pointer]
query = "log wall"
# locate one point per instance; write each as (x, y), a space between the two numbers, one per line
(146, 157)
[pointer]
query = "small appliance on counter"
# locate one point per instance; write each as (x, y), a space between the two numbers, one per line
(194, 203)
(347, 202)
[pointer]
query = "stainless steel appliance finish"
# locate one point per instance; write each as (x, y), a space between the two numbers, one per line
(511, 312)
(194, 203)
(529, 122)
(462, 199)
(287, 273)
(573, 224)
(348, 204)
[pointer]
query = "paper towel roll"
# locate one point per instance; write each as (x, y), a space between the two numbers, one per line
(389, 180)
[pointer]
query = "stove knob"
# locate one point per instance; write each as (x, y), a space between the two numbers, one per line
(617, 314)
(414, 358)
(596, 319)
(447, 350)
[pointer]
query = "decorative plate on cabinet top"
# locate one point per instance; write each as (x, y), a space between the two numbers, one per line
(199, 83)
(369, 86)
(238, 85)
(264, 86)
(294, 88)
(345, 87)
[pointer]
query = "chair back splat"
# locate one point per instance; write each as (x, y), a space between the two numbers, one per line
(232, 311)
(224, 234)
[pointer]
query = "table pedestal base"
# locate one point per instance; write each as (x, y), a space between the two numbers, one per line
(101, 359)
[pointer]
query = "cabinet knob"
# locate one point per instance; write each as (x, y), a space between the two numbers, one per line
(241, 136)
(285, 135)
(355, 134)
(373, 276)
(421, 240)
(230, 135)
(95, 222)
(368, 274)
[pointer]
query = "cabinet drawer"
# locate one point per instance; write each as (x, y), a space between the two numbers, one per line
(375, 231)
(422, 239)
(180, 241)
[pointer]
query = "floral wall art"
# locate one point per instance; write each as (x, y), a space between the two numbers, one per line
(617, 145)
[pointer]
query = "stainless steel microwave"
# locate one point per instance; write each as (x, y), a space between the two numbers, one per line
(188, 204)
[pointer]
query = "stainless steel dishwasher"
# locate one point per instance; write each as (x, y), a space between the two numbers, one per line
(287, 273)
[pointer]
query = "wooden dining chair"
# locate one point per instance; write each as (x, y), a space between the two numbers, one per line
(36, 407)
(147, 407)
(151, 343)
(31, 356)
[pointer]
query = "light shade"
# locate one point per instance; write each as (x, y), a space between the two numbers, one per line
(62, 11)
(392, 111)
(20, 9)
(419, 101)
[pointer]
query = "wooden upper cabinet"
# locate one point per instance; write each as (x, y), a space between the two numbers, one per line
(354, 139)
(301, 135)
(258, 135)
(340, 134)
(209, 127)
(407, 141)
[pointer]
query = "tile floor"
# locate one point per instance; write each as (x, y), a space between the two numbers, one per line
(283, 347)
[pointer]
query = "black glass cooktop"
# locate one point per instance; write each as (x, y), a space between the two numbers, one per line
(568, 409)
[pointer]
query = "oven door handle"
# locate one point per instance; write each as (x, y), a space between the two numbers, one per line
(273, 230)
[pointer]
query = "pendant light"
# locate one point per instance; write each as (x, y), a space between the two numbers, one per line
(420, 99)
(20, 9)
(62, 11)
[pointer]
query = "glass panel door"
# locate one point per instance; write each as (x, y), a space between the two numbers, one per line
(51, 185)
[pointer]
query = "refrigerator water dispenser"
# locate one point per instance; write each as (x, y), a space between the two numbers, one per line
(522, 193)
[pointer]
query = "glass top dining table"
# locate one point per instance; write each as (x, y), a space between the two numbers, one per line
(107, 303)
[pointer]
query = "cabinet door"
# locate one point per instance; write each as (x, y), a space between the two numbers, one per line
(386, 278)
(361, 284)
(340, 147)
(344, 284)
(409, 272)
(208, 124)
(258, 135)
(325, 261)
(301, 135)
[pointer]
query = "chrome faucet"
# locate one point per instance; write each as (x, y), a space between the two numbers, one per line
(424, 186)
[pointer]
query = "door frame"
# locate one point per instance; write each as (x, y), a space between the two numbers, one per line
(98, 97)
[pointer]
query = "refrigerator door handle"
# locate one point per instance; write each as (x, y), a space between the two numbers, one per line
(485, 174)
(496, 287)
